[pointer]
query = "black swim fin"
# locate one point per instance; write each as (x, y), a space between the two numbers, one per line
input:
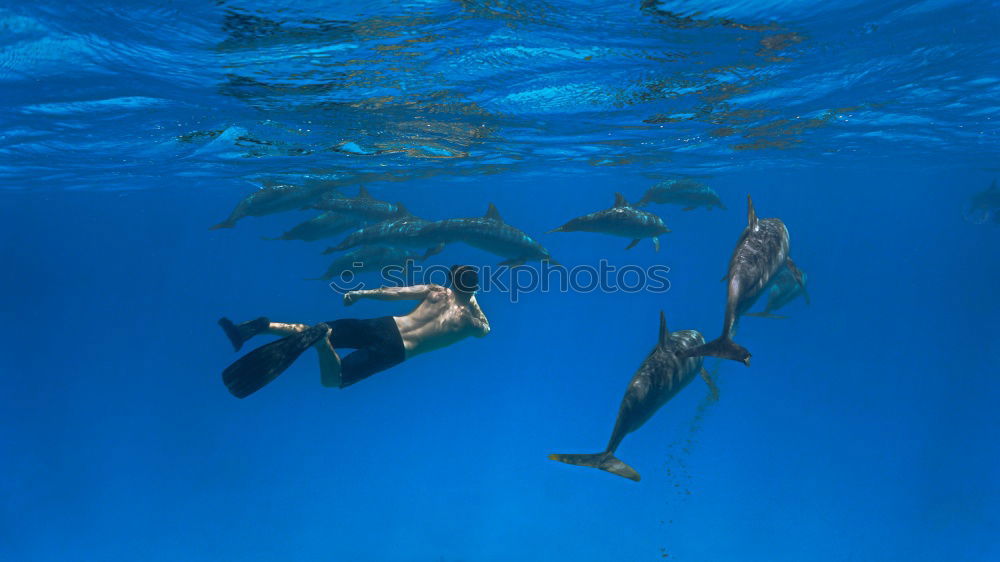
(238, 335)
(604, 461)
(253, 371)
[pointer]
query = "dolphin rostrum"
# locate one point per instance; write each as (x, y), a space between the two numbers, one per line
(660, 377)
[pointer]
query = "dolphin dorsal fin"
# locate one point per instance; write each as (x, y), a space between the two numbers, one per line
(363, 193)
(493, 213)
(664, 334)
(620, 200)
(401, 210)
(751, 214)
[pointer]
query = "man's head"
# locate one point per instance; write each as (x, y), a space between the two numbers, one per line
(464, 279)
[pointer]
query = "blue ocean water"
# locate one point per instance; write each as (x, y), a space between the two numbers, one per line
(865, 428)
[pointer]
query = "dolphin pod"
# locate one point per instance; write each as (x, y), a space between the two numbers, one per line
(387, 234)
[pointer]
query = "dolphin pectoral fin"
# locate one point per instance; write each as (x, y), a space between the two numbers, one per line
(632, 244)
(433, 251)
(722, 347)
(228, 223)
(656, 243)
(690, 208)
(766, 315)
(713, 388)
(604, 461)
(559, 229)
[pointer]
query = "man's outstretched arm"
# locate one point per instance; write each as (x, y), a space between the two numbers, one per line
(415, 292)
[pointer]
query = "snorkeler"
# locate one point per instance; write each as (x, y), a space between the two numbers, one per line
(444, 316)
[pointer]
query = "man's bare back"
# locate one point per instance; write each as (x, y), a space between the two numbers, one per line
(442, 318)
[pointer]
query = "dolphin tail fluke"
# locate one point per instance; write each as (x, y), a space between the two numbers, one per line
(722, 347)
(253, 371)
(656, 243)
(604, 461)
(632, 243)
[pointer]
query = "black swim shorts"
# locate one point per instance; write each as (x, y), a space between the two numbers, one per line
(377, 343)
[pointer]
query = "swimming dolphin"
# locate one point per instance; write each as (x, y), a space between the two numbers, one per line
(984, 206)
(490, 233)
(364, 259)
(403, 229)
(272, 199)
(620, 220)
(363, 206)
(688, 192)
(324, 226)
(761, 251)
(660, 377)
(784, 289)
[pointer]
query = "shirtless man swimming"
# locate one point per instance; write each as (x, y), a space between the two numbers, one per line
(444, 316)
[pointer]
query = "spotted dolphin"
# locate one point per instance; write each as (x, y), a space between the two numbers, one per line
(403, 229)
(784, 289)
(490, 233)
(363, 206)
(621, 219)
(367, 259)
(323, 226)
(761, 252)
(660, 377)
(687, 192)
(984, 206)
(276, 198)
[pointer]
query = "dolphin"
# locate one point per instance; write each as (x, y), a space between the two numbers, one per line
(324, 226)
(363, 206)
(490, 233)
(984, 206)
(403, 229)
(275, 198)
(688, 192)
(620, 220)
(784, 289)
(660, 377)
(365, 259)
(761, 251)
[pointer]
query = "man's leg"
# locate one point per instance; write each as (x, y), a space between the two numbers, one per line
(329, 363)
(282, 329)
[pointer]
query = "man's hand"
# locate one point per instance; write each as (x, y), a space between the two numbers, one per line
(351, 297)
